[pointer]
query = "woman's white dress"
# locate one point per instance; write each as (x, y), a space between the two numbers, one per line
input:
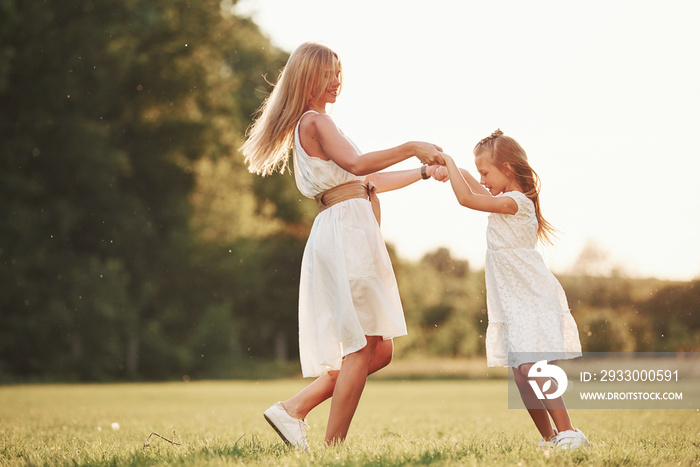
(347, 289)
(528, 315)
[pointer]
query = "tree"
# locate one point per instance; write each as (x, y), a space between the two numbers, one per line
(107, 109)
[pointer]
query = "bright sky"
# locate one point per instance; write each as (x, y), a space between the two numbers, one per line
(603, 95)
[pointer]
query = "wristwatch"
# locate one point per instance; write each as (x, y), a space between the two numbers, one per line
(424, 173)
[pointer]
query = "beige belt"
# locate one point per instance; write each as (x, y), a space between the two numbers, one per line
(350, 190)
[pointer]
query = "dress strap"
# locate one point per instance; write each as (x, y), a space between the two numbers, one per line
(302, 115)
(350, 190)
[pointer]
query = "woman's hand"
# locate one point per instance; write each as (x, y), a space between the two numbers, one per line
(428, 153)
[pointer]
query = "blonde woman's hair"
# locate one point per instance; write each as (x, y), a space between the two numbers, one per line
(306, 76)
(505, 150)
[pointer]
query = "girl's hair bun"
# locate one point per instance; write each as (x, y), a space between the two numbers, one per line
(493, 135)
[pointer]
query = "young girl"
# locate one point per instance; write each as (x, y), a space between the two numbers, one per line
(528, 315)
(349, 306)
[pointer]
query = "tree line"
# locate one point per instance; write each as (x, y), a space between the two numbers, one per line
(134, 244)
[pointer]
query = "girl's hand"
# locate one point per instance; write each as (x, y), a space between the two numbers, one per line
(438, 172)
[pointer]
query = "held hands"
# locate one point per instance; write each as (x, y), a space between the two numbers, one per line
(428, 153)
(434, 158)
(438, 172)
(444, 169)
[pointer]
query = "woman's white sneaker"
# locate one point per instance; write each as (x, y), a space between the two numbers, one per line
(291, 430)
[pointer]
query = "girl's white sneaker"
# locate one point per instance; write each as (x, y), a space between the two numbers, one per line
(571, 439)
(545, 444)
(550, 443)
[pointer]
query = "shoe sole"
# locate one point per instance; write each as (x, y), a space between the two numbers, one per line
(274, 427)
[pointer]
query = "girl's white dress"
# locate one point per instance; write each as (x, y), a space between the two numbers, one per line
(347, 289)
(528, 314)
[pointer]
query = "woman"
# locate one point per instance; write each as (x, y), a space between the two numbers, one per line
(349, 306)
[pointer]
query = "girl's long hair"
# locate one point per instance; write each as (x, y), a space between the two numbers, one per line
(505, 150)
(306, 76)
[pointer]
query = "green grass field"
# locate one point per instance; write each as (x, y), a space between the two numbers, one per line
(453, 422)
